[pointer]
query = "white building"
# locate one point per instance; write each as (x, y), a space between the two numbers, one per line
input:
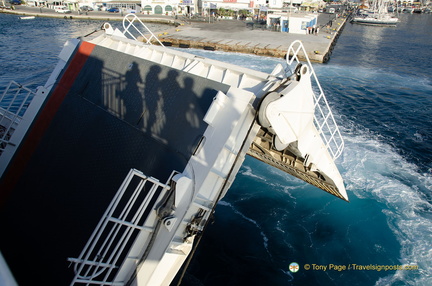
(177, 7)
(203, 6)
(166, 7)
(292, 23)
(232, 4)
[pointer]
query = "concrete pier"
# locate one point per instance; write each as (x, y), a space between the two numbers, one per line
(235, 36)
(222, 35)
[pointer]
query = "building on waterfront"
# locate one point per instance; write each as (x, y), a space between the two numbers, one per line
(168, 7)
(188, 7)
(36, 3)
(292, 23)
(127, 6)
(72, 5)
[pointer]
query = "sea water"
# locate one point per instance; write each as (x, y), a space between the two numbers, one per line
(378, 82)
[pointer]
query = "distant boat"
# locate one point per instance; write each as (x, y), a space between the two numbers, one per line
(376, 20)
(27, 17)
(408, 10)
(417, 10)
(377, 15)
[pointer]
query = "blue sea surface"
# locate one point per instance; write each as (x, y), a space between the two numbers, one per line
(378, 83)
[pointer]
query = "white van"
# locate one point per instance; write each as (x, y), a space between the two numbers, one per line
(62, 9)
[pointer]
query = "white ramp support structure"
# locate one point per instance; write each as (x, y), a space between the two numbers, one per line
(298, 132)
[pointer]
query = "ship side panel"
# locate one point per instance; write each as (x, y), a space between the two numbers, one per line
(42, 120)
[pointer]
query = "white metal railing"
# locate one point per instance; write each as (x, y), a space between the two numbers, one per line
(13, 104)
(323, 117)
(116, 233)
(133, 31)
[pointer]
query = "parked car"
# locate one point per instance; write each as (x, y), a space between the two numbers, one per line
(100, 8)
(86, 8)
(62, 9)
(15, 2)
(113, 10)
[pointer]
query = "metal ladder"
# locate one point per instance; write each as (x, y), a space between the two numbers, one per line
(121, 234)
(130, 22)
(13, 104)
(323, 118)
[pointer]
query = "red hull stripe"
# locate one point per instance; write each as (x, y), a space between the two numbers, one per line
(43, 120)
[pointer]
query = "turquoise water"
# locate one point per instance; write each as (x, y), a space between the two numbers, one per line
(379, 85)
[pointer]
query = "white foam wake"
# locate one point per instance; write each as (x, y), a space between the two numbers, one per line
(374, 170)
